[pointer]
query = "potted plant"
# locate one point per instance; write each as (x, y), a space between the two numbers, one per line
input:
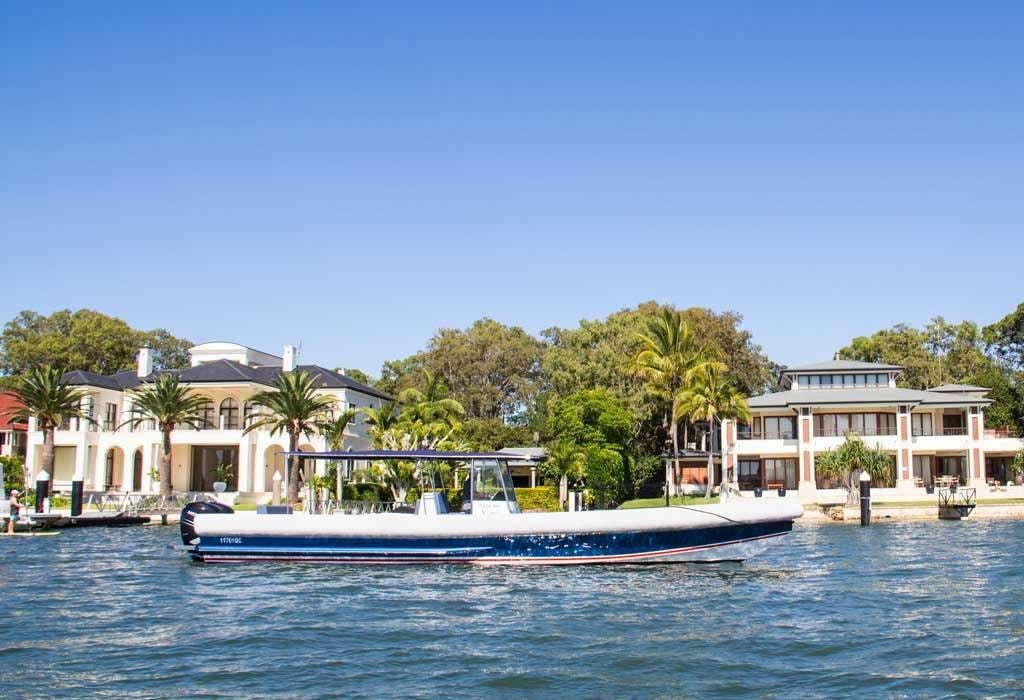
(1016, 469)
(223, 473)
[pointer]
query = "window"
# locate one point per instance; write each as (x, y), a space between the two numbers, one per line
(883, 379)
(872, 379)
(923, 468)
(229, 414)
(804, 380)
(780, 472)
(205, 415)
(110, 417)
(815, 380)
(748, 473)
(826, 380)
(779, 427)
(921, 424)
(860, 380)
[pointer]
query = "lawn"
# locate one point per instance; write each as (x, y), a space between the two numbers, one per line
(660, 502)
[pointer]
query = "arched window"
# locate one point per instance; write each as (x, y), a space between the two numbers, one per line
(206, 416)
(229, 414)
(249, 413)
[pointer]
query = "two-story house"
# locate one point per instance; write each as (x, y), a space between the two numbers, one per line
(932, 436)
(109, 455)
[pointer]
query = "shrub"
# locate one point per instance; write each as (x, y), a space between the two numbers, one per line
(541, 498)
(13, 473)
(365, 492)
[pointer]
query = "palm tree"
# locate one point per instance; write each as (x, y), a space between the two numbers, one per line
(564, 461)
(293, 407)
(333, 431)
(45, 396)
(846, 462)
(432, 404)
(380, 420)
(669, 353)
(168, 403)
(711, 396)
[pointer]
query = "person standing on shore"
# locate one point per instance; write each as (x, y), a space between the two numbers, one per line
(15, 509)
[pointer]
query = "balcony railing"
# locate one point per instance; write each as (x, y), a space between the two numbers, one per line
(1000, 433)
(921, 432)
(766, 435)
(841, 432)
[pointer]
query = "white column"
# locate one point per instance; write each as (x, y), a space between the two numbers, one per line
(244, 455)
(533, 477)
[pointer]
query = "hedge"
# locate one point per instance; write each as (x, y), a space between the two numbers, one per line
(541, 498)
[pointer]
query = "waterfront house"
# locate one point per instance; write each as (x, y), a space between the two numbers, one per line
(934, 437)
(12, 434)
(112, 456)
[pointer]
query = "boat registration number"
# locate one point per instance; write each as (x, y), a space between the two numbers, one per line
(231, 540)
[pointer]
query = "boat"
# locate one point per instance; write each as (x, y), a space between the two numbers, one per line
(490, 529)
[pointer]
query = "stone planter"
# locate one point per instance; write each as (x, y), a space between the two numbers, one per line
(220, 486)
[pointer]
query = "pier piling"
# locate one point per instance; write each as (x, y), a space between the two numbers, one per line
(865, 499)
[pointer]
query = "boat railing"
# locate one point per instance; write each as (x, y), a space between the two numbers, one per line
(330, 506)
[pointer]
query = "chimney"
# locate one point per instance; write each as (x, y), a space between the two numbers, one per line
(145, 367)
(288, 361)
(341, 371)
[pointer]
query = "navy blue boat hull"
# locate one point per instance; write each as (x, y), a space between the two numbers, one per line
(723, 543)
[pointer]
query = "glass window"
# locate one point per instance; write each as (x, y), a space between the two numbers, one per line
(857, 423)
(848, 379)
(872, 379)
(206, 416)
(826, 380)
(804, 380)
(780, 473)
(110, 419)
(870, 423)
(748, 473)
(815, 380)
(491, 482)
(825, 424)
(883, 379)
(860, 380)
(229, 414)
(921, 424)
(842, 423)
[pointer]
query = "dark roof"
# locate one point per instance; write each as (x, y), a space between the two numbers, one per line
(220, 372)
(841, 366)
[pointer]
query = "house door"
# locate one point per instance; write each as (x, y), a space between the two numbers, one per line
(137, 471)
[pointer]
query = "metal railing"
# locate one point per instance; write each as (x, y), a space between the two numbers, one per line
(331, 506)
(841, 432)
(134, 503)
(1000, 433)
(766, 435)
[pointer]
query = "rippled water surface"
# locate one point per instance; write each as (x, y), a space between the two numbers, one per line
(910, 609)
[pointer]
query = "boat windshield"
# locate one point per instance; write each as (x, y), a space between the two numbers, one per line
(491, 481)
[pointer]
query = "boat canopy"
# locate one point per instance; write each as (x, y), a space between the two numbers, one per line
(417, 455)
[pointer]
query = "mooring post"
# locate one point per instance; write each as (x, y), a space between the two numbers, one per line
(77, 484)
(42, 490)
(865, 499)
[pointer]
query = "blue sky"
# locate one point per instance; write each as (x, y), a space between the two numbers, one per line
(352, 176)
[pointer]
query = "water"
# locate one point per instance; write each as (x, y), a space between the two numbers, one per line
(908, 609)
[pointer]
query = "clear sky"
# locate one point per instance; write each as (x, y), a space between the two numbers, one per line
(354, 175)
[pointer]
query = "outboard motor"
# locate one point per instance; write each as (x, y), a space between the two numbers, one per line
(187, 523)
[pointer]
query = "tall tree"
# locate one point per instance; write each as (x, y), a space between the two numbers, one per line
(333, 429)
(169, 404)
(492, 369)
(46, 397)
(432, 403)
(294, 407)
(669, 355)
(710, 396)
(1005, 338)
(83, 339)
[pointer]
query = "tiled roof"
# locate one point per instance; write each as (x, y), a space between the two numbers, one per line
(221, 372)
(842, 365)
(886, 395)
(9, 402)
(953, 388)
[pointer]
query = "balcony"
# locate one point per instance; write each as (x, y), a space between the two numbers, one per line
(863, 432)
(766, 435)
(917, 432)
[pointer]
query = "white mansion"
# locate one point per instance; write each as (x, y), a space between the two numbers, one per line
(933, 436)
(110, 457)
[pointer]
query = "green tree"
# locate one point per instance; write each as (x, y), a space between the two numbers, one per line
(294, 407)
(598, 425)
(169, 404)
(486, 434)
(710, 397)
(45, 396)
(12, 468)
(432, 403)
(845, 464)
(668, 357)
(333, 429)
(84, 339)
(1005, 338)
